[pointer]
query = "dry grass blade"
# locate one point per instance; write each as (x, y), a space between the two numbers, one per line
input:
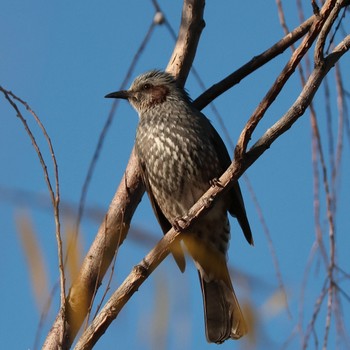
(35, 260)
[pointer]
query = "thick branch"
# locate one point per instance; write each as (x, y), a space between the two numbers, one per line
(109, 236)
(115, 226)
(256, 62)
(192, 24)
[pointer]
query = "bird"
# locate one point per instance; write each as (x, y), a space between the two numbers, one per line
(180, 156)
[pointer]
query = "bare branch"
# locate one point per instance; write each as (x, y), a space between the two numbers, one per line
(256, 62)
(192, 24)
(140, 273)
(302, 102)
(321, 41)
(281, 80)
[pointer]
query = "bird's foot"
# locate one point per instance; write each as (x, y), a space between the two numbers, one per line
(180, 223)
(215, 182)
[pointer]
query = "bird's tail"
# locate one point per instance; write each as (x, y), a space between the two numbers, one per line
(223, 316)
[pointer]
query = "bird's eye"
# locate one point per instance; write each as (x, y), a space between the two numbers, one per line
(146, 87)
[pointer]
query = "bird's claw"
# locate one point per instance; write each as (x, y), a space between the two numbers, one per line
(180, 223)
(215, 182)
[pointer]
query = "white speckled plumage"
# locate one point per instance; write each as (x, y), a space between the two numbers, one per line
(180, 153)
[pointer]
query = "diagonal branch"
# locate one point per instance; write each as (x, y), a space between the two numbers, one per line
(256, 62)
(141, 272)
(281, 80)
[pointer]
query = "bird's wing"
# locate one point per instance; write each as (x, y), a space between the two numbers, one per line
(236, 208)
(176, 249)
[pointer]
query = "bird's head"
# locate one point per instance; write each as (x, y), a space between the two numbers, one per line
(150, 89)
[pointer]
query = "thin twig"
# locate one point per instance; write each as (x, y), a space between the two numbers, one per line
(271, 247)
(341, 103)
(336, 29)
(335, 7)
(55, 197)
(317, 308)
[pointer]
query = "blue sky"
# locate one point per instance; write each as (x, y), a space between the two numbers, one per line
(62, 58)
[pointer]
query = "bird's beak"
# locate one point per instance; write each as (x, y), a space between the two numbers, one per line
(124, 94)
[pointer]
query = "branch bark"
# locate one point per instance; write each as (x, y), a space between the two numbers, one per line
(192, 24)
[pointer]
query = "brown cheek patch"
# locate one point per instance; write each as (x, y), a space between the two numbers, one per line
(159, 94)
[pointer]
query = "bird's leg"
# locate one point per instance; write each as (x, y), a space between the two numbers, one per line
(180, 223)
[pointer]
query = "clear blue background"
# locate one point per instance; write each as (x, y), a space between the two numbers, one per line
(62, 58)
